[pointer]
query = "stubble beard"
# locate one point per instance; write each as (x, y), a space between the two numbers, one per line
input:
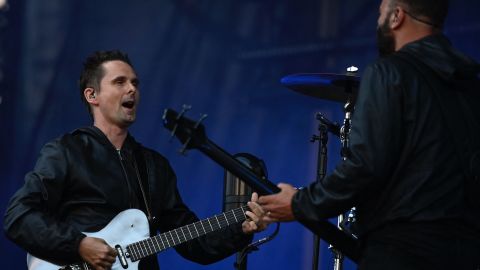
(385, 39)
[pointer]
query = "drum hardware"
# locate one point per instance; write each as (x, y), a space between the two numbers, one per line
(322, 138)
(327, 86)
(339, 88)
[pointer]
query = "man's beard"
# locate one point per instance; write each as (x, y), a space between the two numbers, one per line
(385, 40)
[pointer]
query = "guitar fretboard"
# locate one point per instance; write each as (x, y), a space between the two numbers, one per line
(155, 244)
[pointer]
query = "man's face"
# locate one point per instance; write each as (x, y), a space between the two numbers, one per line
(385, 38)
(118, 96)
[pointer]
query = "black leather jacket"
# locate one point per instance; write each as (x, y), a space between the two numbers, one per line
(402, 165)
(80, 182)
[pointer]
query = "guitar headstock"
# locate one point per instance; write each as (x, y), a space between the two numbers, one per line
(190, 133)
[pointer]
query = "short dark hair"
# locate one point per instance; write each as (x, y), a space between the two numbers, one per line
(93, 72)
(435, 10)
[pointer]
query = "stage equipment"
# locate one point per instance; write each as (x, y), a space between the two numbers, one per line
(339, 88)
(328, 86)
(192, 135)
(236, 193)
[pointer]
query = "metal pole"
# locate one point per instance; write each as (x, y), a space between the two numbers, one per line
(321, 172)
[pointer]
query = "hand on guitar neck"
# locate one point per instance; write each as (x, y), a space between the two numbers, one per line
(192, 135)
(279, 206)
(97, 253)
(255, 221)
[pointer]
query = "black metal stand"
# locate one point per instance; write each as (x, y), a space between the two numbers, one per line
(345, 153)
(241, 262)
(323, 128)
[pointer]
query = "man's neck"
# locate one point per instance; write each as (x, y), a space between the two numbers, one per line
(116, 135)
(411, 34)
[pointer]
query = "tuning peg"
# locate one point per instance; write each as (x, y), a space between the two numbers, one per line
(185, 108)
(174, 130)
(183, 150)
(199, 121)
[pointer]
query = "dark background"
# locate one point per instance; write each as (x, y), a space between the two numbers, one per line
(223, 57)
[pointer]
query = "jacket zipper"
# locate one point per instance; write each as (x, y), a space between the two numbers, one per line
(144, 195)
(126, 178)
(150, 217)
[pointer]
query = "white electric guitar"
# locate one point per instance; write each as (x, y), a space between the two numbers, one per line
(128, 233)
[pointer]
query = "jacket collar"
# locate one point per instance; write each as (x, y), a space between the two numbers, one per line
(129, 145)
(437, 52)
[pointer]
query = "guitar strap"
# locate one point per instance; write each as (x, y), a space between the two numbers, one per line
(459, 106)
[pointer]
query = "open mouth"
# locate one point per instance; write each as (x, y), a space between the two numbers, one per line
(128, 104)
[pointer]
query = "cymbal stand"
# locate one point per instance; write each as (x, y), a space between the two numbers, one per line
(344, 131)
(345, 153)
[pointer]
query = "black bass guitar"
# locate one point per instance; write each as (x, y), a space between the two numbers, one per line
(192, 135)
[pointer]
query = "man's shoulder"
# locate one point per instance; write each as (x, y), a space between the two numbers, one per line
(73, 137)
(389, 64)
(62, 138)
(390, 69)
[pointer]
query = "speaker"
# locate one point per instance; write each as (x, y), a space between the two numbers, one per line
(236, 192)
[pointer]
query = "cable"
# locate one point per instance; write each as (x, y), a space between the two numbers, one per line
(254, 246)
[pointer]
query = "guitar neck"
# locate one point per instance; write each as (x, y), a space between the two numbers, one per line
(158, 243)
(192, 135)
(224, 159)
(337, 238)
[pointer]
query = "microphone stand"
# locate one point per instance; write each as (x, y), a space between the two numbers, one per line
(323, 128)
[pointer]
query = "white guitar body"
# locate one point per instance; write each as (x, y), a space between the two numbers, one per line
(128, 233)
(129, 226)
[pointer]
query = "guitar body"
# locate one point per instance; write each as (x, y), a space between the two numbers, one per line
(128, 226)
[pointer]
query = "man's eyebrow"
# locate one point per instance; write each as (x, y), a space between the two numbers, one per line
(118, 78)
(123, 78)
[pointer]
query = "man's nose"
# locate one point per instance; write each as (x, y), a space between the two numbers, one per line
(132, 87)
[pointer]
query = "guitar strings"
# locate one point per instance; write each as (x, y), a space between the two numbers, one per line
(155, 244)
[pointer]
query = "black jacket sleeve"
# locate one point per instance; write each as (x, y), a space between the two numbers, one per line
(375, 140)
(208, 248)
(29, 220)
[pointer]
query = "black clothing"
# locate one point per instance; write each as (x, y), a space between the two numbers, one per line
(422, 246)
(80, 182)
(402, 167)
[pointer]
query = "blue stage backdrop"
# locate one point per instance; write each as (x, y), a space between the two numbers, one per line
(225, 58)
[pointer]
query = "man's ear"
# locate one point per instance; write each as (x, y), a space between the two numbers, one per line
(397, 18)
(90, 96)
